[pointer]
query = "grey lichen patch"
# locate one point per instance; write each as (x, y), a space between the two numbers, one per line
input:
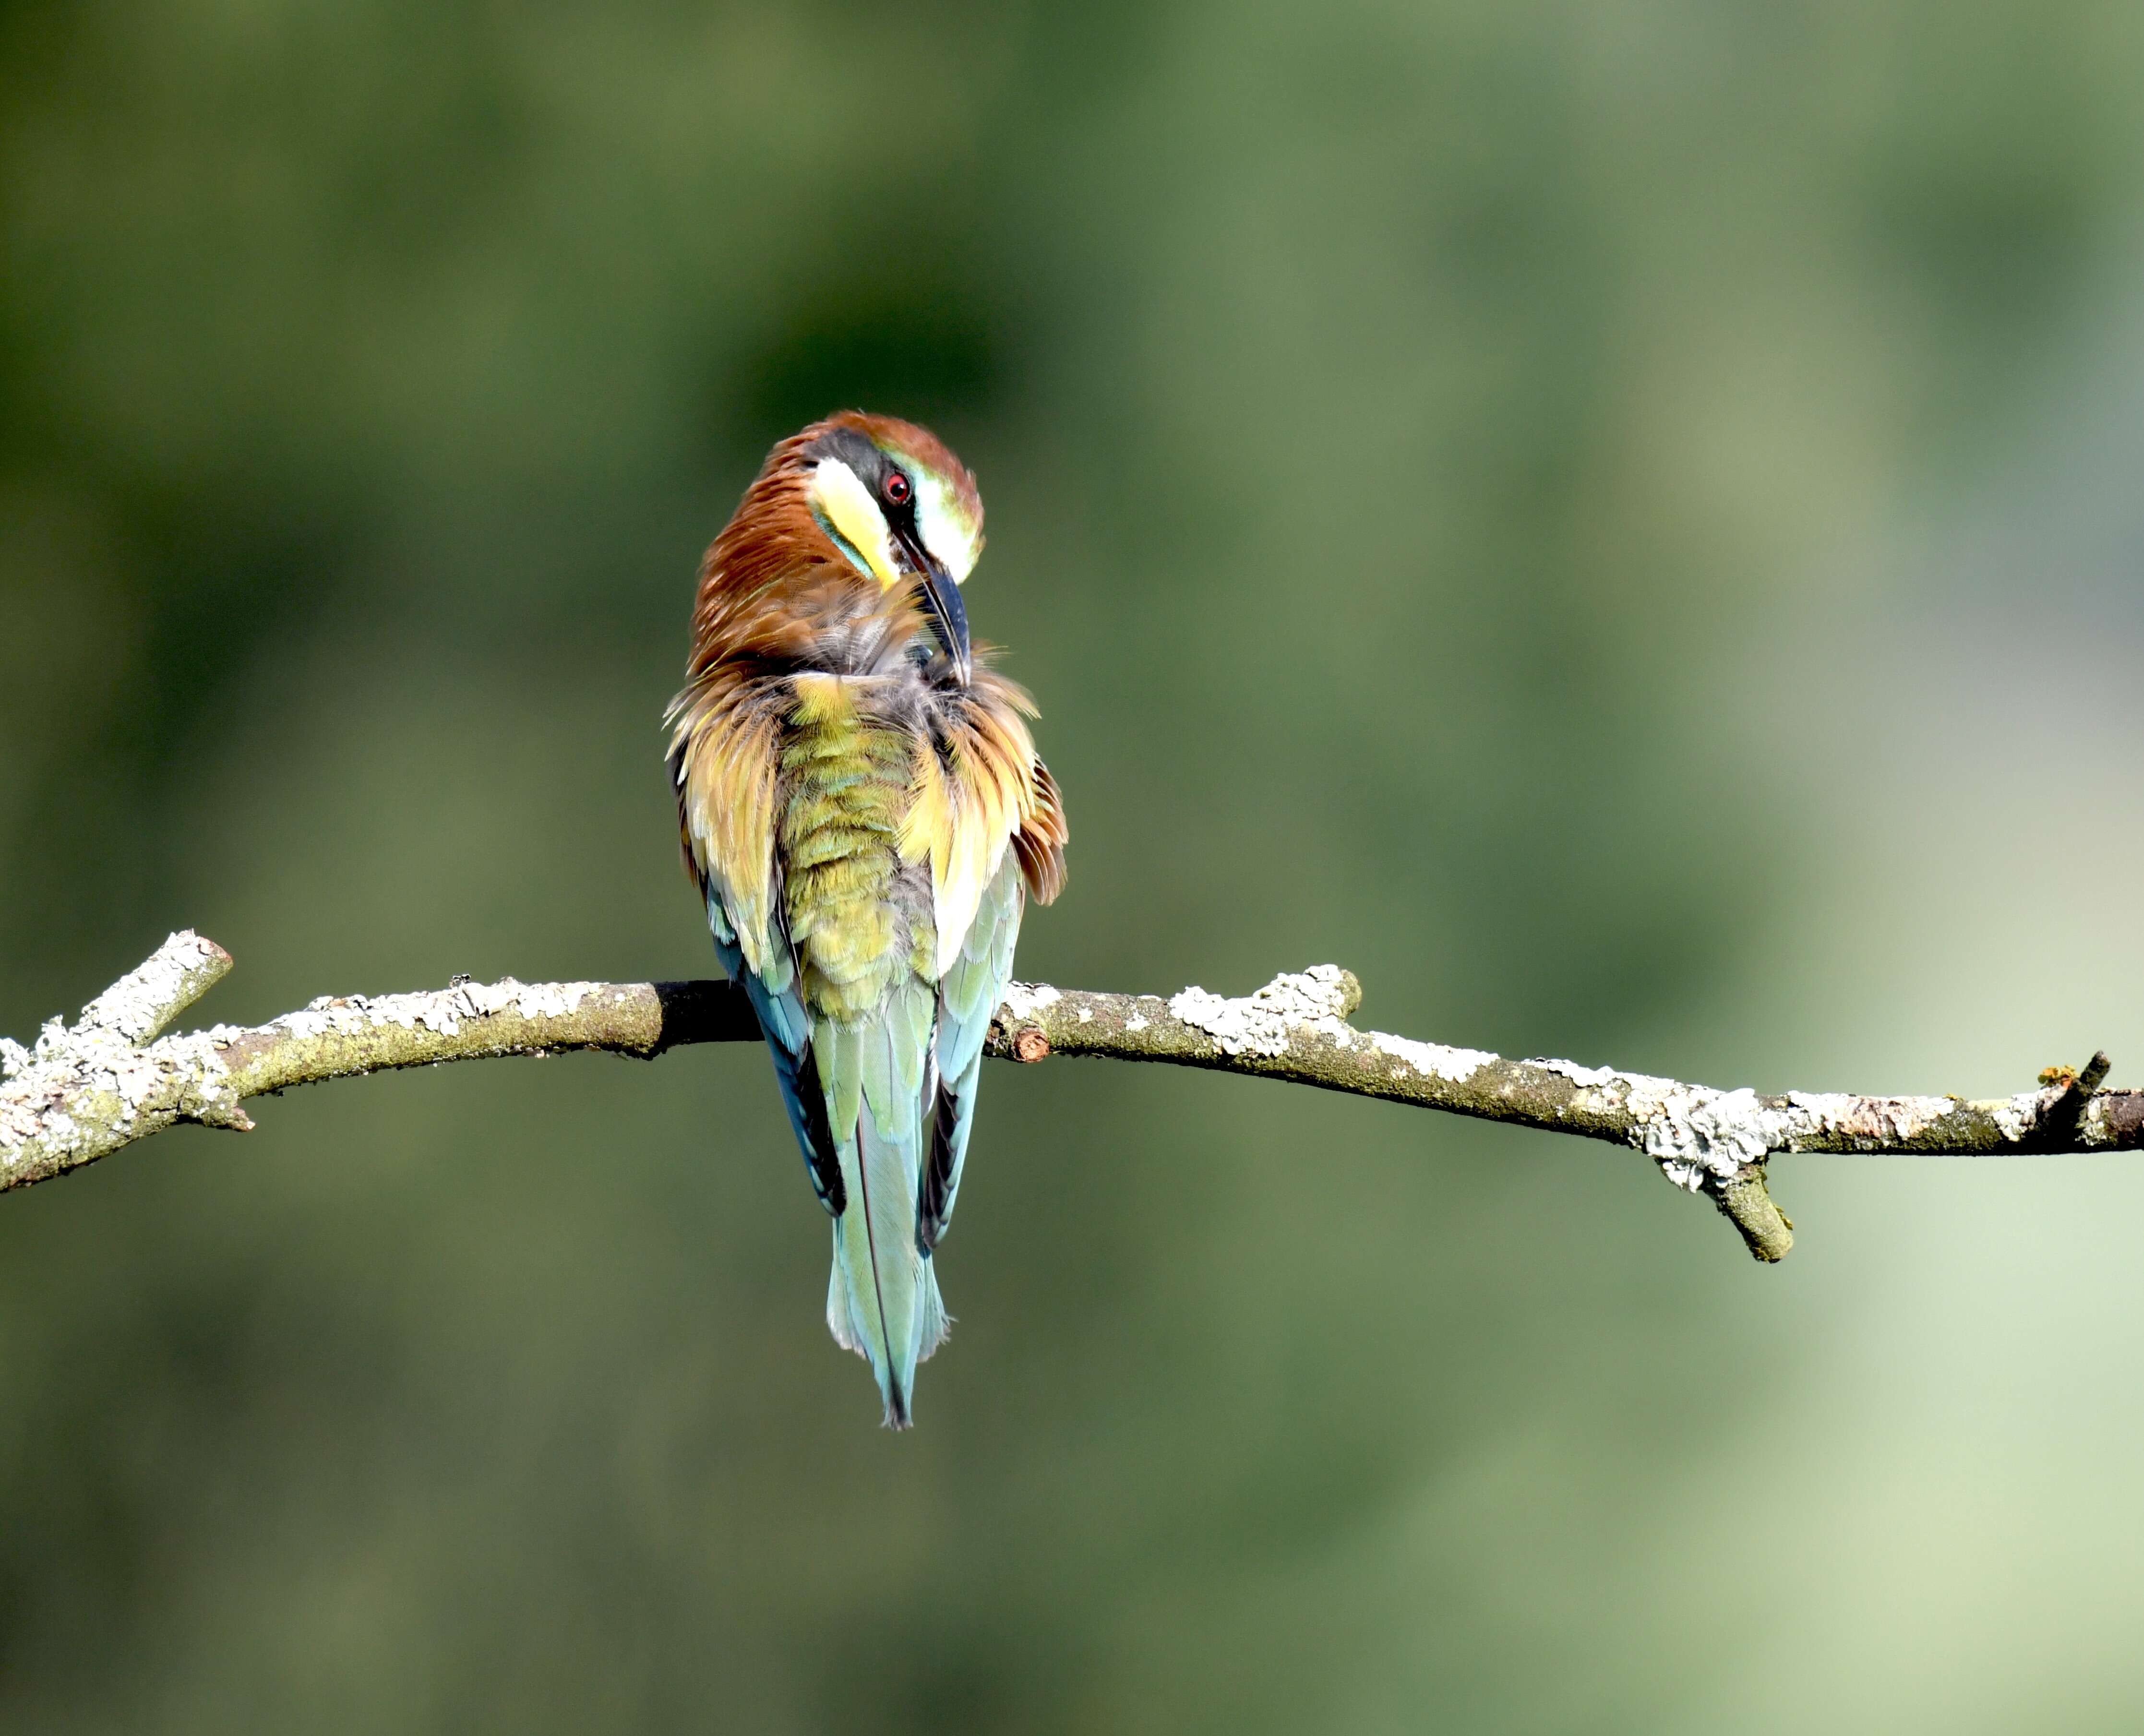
(1697, 1134)
(2016, 1117)
(2099, 1125)
(1585, 1078)
(1025, 1002)
(86, 1092)
(1316, 1001)
(445, 1011)
(340, 1036)
(146, 999)
(1432, 1061)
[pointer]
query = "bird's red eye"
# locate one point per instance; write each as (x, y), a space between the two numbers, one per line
(897, 487)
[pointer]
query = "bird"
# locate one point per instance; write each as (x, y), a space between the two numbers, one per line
(863, 810)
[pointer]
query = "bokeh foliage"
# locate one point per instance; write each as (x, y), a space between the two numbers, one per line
(1472, 487)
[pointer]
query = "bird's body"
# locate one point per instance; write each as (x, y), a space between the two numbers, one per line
(863, 809)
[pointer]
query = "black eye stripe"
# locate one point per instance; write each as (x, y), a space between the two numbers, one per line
(891, 484)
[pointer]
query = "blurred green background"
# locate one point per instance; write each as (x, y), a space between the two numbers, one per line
(1618, 522)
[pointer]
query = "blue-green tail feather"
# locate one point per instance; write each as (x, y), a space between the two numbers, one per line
(882, 1299)
(882, 1107)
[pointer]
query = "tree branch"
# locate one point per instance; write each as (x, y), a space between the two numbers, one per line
(85, 1091)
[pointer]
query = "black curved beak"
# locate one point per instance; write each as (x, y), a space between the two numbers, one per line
(949, 615)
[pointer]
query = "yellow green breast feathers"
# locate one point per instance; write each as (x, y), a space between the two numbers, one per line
(845, 798)
(846, 776)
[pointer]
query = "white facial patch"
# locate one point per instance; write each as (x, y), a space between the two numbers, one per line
(845, 506)
(945, 529)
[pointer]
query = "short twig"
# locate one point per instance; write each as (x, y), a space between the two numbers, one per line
(2061, 1122)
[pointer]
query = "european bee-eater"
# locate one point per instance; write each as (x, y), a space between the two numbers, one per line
(863, 809)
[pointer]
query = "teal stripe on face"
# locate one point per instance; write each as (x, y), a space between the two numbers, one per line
(849, 550)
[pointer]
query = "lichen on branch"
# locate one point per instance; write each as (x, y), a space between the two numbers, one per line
(87, 1090)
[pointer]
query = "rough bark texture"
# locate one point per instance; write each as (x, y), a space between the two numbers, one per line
(86, 1090)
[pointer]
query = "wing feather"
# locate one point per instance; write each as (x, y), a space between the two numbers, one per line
(725, 762)
(987, 815)
(968, 997)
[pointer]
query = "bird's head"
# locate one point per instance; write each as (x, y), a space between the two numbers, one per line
(901, 509)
